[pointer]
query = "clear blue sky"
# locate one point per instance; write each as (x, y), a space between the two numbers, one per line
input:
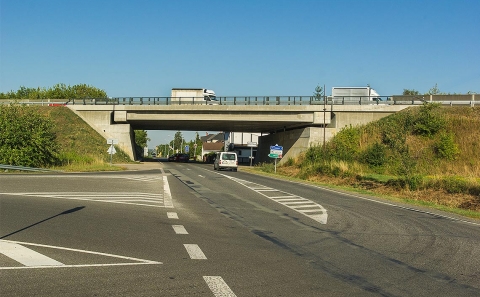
(257, 48)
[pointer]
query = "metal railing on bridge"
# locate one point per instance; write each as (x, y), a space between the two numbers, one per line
(470, 99)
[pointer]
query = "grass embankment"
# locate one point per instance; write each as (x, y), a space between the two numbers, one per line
(81, 147)
(428, 156)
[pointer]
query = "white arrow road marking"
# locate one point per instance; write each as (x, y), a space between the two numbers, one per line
(6, 245)
(302, 205)
(218, 286)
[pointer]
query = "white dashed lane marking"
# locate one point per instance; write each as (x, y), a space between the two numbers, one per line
(179, 229)
(218, 286)
(172, 215)
(195, 252)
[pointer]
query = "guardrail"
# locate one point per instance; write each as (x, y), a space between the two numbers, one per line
(469, 99)
(24, 168)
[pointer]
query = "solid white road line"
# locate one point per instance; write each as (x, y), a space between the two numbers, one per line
(172, 215)
(179, 229)
(218, 286)
(25, 255)
(195, 252)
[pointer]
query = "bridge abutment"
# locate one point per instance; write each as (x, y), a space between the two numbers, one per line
(102, 122)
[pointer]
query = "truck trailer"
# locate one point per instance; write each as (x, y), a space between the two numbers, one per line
(355, 94)
(193, 96)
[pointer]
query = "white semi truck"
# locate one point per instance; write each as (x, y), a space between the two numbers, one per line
(193, 96)
(355, 94)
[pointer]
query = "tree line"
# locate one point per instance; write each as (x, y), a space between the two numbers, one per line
(58, 91)
(433, 91)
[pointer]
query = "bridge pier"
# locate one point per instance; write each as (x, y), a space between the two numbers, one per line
(296, 141)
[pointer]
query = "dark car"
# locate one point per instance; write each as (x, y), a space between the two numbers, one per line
(183, 157)
(179, 158)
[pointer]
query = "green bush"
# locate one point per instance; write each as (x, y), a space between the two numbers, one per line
(26, 137)
(455, 185)
(289, 162)
(429, 120)
(267, 167)
(374, 155)
(413, 182)
(446, 148)
(345, 145)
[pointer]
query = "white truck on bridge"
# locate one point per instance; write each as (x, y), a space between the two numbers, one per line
(355, 94)
(193, 96)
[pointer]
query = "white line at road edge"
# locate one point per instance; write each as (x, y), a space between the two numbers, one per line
(137, 261)
(167, 195)
(218, 286)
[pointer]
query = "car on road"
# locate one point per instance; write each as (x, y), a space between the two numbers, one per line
(183, 157)
(179, 157)
(225, 160)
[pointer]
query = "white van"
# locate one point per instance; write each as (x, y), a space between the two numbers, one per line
(225, 160)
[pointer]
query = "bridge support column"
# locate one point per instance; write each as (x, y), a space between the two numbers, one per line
(294, 142)
(102, 122)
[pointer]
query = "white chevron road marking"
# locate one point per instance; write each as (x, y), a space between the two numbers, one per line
(302, 205)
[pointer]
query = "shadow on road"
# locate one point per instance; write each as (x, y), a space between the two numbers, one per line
(62, 213)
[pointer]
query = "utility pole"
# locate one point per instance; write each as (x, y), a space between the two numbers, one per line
(324, 116)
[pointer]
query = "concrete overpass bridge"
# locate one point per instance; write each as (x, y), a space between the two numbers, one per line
(293, 122)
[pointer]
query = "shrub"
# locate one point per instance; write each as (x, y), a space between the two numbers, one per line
(26, 137)
(374, 155)
(266, 167)
(289, 162)
(446, 148)
(413, 182)
(429, 120)
(345, 144)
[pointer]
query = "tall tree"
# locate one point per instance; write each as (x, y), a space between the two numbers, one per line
(434, 91)
(410, 92)
(178, 140)
(141, 138)
(319, 93)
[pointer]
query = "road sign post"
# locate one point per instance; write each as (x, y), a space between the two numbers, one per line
(251, 145)
(111, 150)
(276, 152)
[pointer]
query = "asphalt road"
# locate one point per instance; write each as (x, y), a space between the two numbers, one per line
(183, 229)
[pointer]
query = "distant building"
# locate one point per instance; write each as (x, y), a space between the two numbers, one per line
(244, 144)
(211, 147)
